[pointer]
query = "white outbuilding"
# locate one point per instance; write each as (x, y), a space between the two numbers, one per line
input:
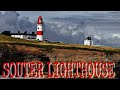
(24, 35)
(88, 41)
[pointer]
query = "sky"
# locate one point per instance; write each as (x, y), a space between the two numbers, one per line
(103, 25)
(88, 14)
(92, 14)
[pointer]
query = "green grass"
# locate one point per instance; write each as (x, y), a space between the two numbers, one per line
(10, 40)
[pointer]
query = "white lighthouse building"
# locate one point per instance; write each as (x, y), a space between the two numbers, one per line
(88, 41)
(39, 29)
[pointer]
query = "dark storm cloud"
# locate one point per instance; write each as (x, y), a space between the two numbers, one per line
(9, 22)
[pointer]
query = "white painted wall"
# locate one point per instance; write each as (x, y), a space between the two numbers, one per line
(23, 36)
(17, 36)
(88, 42)
(39, 27)
(39, 37)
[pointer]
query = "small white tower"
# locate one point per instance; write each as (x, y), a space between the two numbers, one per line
(39, 29)
(88, 41)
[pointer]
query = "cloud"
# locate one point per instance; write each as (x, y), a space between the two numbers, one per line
(88, 14)
(9, 22)
(67, 26)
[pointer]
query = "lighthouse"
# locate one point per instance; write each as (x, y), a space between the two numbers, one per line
(39, 29)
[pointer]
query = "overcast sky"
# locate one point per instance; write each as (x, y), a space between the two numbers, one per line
(88, 14)
(102, 24)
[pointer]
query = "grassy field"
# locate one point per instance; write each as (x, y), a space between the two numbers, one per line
(26, 50)
(10, 40)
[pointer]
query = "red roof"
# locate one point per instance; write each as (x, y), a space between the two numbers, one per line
(40, 20)
(40, 17)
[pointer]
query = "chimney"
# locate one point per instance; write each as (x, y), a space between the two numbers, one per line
(25, 32)
(18, 32)
(33, 33)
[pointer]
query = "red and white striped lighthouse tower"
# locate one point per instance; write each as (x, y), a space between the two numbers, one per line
(39, 29)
